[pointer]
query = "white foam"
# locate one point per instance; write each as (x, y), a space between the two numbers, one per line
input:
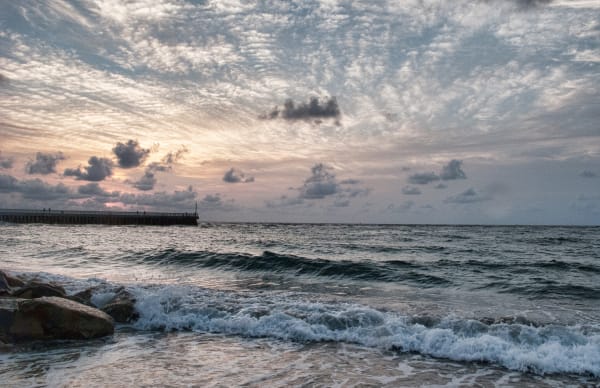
(549, 349)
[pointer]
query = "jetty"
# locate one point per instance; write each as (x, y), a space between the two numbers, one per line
(74, 217)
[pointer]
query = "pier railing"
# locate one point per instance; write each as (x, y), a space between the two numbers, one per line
(78, 212)
(50, 216)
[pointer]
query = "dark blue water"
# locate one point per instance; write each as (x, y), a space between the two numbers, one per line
(524, 301)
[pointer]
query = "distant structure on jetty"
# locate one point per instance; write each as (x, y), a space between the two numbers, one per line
(48, 216)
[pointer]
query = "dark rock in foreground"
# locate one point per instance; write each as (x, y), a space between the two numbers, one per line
(7, 283)
(121, 307)
(51, 318)
(84, 297)
(37, 290)
(4, 287)
(11, 280)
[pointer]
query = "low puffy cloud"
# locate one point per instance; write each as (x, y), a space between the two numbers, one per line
(97, 170)
(411, 190)
(35, 192)
(146, 182)
(130, 154)
(94, 189)
(216, 202)
(588, 174)
(314, 109)
(423, 178)
(320, 184)
(531, 3)
(44, 164)
(6, 163)
(451, 171)
(34, 189)
(162, 199)
(468, 196)
(234, 175)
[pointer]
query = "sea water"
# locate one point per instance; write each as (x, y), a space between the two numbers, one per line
(319, 305)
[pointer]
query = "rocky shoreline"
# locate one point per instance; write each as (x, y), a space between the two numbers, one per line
(33, 310)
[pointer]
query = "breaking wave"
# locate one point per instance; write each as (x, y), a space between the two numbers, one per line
(290, 317)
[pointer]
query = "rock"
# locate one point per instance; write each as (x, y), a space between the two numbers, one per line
(121, 307)
(84, 296)
(37, 290)
(11, 280)
(4, 286)
(487, 321)
(8, 309)
(51, 318)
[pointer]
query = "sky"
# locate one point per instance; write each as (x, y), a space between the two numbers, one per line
(416, 111)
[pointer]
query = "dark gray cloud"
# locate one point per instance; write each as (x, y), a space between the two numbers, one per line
(8, 183)
(587, 174)
(3, 80)
(94, 189)
(423, 178)
(234, 175)
(37, 193)
(45, 163)
(468, 196)
(177, 199)
(440, 186)
(453, 170)
(531, 3)
(97, 170)
(146, 182)
(411, 190)
(34, 189)
(6, 163)
(212, 202)
(314, 109)
(130, 154)
(320, 184)
(522, 5)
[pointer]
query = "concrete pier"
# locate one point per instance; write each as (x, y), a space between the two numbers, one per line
(48, 216)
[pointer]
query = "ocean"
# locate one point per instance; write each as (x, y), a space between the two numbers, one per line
(319, 305)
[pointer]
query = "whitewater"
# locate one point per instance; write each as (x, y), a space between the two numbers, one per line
(319, 305)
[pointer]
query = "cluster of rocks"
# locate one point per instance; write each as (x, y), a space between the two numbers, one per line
(32, 310)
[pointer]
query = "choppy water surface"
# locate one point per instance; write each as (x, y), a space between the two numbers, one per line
(272, 304)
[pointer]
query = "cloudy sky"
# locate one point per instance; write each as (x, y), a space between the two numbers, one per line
(416, 111)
